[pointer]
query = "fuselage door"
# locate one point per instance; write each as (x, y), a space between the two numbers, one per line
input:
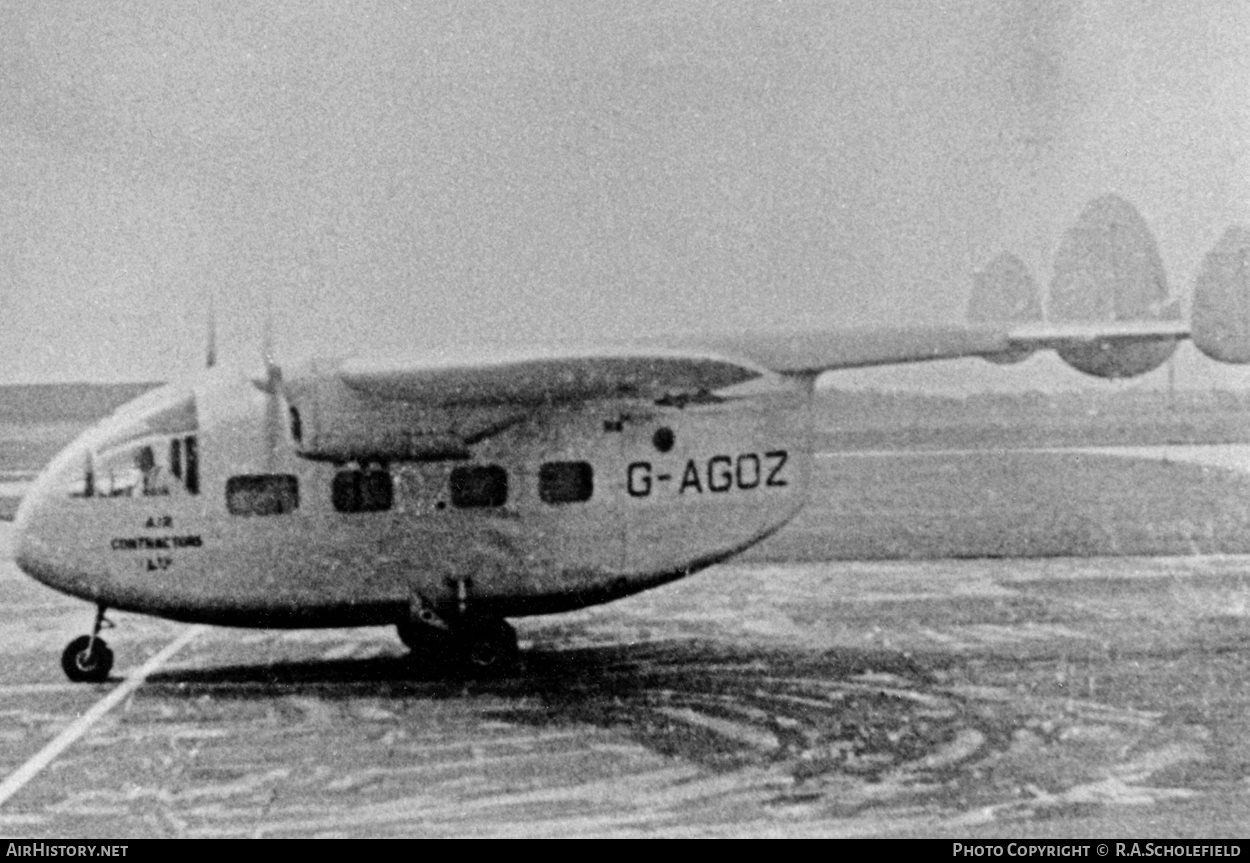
(574, 493)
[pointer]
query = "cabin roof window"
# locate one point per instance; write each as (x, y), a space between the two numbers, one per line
(478, 486)
(566, 482)
(362, 491)
(262, 494)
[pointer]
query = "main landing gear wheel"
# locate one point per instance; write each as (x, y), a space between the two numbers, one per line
(87, 659)
(476, 648)
(490, 645)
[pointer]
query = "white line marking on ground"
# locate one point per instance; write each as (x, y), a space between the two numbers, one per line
(66, 738)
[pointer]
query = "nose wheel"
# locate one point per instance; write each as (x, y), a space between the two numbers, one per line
(87, 659)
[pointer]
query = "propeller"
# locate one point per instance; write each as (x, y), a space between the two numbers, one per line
(271, 384)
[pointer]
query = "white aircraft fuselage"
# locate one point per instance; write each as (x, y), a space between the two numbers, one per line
(192, 504)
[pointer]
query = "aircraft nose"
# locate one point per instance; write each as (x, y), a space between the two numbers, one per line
(27, 547)
(39, 541)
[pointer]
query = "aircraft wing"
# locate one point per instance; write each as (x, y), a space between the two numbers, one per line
(652, 368)
(440, 405)
(673, 365)
(811, 353)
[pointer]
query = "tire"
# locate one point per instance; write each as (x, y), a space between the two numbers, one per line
(490, 647)
(485, 647)
(83, 667)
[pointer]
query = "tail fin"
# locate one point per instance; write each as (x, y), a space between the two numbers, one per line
(1221, 311)
(1108, 269)
(1005, 293)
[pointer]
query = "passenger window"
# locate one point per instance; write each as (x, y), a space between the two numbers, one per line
(368, 491)
(478, 486)
(262, 494)
(566, 481)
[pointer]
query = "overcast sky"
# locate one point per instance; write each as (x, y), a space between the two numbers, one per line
(438, 174)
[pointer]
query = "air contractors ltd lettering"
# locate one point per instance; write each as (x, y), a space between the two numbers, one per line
(154, 543)
(716, 475)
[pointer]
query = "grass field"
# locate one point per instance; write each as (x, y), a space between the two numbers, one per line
(869, 421)
(1014, 504)
(1007, 502)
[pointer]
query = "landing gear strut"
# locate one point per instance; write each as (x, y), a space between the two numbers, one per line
(87, 659)
(474, 644)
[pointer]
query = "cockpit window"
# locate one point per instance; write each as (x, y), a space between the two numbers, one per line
(154, 467)
(149, 451)
(190, 463)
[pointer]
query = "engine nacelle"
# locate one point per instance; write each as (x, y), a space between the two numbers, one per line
(330, 421)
